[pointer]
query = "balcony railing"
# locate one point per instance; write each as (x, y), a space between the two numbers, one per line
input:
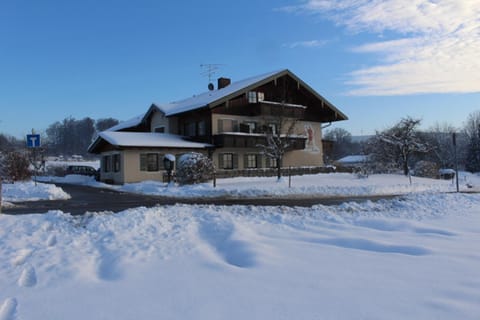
(252, 140)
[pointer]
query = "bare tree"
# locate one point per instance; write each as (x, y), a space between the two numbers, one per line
(15, 166)
(440, 139)
(278, 138)
(397, 144)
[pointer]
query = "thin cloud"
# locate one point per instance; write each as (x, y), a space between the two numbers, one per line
(306, 44)
(436, 51)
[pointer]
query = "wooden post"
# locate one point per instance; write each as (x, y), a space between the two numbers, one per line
(289, 176)
(454, 138)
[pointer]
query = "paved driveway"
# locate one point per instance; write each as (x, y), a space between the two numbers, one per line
(91, 199)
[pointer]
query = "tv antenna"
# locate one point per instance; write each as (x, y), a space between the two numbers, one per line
(209, 69)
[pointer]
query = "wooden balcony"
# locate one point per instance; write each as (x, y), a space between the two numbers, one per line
(241, 106)
(245, 140)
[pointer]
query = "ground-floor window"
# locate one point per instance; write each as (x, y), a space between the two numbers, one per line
(149, 162)
(271, 162)
(251, 161)
(228, 161)
(116, 162)
(107, 163)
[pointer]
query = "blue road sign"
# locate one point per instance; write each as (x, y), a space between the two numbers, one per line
(33, 140)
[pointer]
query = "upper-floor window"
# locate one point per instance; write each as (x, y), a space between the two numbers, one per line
(202, 128)
(190, 129)
(227, 125)
(252, 97)
(272, 128)
(251, 126)
(260, 96)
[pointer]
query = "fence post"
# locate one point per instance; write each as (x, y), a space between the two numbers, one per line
(289, 176)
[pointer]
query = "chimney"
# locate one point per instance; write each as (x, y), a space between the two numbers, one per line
(223, 82)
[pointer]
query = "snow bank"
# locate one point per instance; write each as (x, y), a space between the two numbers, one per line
(28, 191)
(334, 184)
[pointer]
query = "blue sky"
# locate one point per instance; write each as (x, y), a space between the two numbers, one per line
(377, 61)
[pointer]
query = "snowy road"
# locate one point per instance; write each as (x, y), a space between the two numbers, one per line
(89, 199)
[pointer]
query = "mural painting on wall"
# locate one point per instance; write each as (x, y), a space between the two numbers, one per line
(310, 144)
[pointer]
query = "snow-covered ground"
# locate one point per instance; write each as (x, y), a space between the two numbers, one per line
(327, 185)
(415, 257)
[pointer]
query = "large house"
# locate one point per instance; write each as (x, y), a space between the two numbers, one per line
(227, 124)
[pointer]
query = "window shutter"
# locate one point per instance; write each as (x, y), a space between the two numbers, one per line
(220, 160)
(259, 161)
(143, 162)
(220, 126)
(160, 161)
(235, 161)
(235, 125)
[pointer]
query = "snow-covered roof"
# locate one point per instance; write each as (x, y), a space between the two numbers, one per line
(216, 97)
(209, 97)
(353, 159)
(133, 122)
(148, 139)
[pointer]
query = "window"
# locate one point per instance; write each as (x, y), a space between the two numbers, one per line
(202, 129)
(227, 125)
(261, 96)
(227, 161)
(107, 164)
(251, 126)
(251, 161)
(272, 128)
(160, 129)
(271, 162)
(149, 162)
(252, 97)
(116, 162)
(190, 129)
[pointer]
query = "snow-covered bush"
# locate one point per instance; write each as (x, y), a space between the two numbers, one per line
(15, 167)
(193, 168)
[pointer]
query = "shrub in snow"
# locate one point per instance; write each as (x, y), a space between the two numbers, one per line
(426, 169)
(15, 167)
(193, 168)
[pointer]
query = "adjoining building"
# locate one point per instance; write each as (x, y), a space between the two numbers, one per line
(227, 124)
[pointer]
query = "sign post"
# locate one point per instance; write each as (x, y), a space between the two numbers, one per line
(33, 143)
(33, 140)
(454, 140)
